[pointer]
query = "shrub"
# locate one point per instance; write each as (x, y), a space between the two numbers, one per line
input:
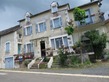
(62, 58)
(75, 60)
(26, 62)
(43, 65)
(46, 59)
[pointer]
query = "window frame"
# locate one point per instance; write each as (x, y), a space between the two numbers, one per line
(9, 47)
(53, 24)
(26, 50)
(25, 30)
(38, 23)
(53, 38)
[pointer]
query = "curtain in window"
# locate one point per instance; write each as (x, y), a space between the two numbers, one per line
(52, 44)
(42, 27)
(59, 42)
(29, 30)
(57, 23)
(65, 41)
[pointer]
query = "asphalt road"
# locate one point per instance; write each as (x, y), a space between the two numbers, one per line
(48, 77)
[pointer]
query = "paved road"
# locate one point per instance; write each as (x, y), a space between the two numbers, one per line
(48, 77)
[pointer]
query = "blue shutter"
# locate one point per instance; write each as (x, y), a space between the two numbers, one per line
(24, 31)
(60, 21)
(51, 24)
(30, 29)
(36, 28)
(24, 48)
(45, 26)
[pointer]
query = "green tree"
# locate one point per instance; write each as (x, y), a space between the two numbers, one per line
(79, 15)
(98, 42)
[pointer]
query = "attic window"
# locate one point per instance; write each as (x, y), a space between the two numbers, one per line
(54, 7)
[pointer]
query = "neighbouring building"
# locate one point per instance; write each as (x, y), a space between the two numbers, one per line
(37, 33)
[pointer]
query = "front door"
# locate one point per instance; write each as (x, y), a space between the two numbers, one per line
(43, 52)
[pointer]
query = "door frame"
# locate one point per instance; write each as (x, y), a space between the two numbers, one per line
(41, 48)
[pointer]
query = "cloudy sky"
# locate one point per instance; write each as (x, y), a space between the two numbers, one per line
(13, 10)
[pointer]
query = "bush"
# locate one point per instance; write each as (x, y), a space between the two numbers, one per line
(75, 60)
(46, 59)
(62, 58)
(26, 62)
(43, 65)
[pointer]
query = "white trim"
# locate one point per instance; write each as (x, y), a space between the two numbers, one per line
(25, 29)
(40, 23)
(60, 36)
(52, 19)
(27, 44)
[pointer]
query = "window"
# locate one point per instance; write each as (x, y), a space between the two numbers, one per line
(28, 30)
(7, 50)
(58, 42)
(41, 27)
(28, 48)
(56, 22)
(54, 9)
(88, 20)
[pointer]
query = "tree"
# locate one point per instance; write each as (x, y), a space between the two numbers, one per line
(79, 15)
(98, 42)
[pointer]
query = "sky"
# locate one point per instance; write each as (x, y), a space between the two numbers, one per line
(13, 10)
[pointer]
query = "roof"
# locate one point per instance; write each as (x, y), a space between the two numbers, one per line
(10, 30)
(90, 3)
(44, 12)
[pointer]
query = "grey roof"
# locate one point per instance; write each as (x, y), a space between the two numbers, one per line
(9, 30)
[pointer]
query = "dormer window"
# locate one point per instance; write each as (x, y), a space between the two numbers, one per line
(27, 17)
(54, 7)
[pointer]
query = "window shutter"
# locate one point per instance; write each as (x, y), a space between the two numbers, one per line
(60, 21)
(24, 31)
(25, 48)
(45, 26)
(31, 29)
(51, 24)
(36, 28)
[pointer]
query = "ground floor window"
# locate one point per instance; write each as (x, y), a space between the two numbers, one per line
(58, 42)
(28, 48)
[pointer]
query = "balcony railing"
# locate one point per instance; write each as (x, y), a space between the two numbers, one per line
(95, 18)
(19, 39)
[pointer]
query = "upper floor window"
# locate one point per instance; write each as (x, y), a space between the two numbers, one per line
(41, 27)
(54, 7)
(88, 19)
(28, 30)
(56, 22)
(7, 47)
(28, 48)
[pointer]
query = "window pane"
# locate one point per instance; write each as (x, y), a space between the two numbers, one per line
(54, 9)
(58, 42)
(7, 47)
(29, 48)
(52, 43)
(42, 27)
(65, 41)
(88, 19)
(57, 23)
(29, 30)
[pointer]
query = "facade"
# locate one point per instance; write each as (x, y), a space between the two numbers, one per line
(46, 30)
(9, 42)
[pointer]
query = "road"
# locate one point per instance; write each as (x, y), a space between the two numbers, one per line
(19, 76)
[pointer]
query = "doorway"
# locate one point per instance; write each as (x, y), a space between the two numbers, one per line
(43, 51)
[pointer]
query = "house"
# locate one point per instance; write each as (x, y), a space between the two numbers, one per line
(9, 45)
(46, 31)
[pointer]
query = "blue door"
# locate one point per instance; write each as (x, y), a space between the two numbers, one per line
(9, 62)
